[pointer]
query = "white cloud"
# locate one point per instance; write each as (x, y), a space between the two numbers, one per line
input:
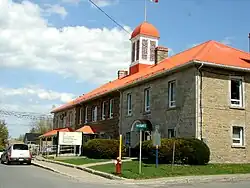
(55, 9)
(88, 54)
(227, 40)
(103, 3)
(38, 92)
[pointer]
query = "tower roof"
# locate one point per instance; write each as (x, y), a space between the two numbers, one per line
(147, 29)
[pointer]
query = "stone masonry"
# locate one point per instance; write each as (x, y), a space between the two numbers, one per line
(182, 116)
(219, 116)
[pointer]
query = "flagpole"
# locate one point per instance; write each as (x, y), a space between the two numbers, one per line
(145, 10)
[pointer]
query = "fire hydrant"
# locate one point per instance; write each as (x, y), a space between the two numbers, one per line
(118, 166)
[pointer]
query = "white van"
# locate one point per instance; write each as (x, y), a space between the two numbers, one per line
(17, 153)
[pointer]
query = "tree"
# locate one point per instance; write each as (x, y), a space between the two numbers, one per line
(4, 133)
(41, 126)
(21, 137)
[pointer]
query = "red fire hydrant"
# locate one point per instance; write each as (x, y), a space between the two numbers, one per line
(118, 166)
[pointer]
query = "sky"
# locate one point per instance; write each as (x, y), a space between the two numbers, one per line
(52, 51)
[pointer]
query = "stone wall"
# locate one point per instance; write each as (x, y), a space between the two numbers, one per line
(182, 116)
(219, 117)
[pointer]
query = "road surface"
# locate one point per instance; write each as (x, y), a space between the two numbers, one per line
(23, 176)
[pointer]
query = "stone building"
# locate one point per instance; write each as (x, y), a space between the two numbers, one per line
(202, 92)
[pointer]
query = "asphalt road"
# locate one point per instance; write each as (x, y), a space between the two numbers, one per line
(23, 176)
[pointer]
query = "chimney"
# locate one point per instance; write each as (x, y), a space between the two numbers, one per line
(122, 74)
(160, 54)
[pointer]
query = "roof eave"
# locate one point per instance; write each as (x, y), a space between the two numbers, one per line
(160, 74)
(167, 71)
(211, 64)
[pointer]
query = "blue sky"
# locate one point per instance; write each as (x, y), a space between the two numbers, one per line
(52, 51)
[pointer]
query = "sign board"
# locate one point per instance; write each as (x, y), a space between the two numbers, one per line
(156, 138)
(141, 126)
(70, 138)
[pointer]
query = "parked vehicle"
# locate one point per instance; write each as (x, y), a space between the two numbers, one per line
(17, 153)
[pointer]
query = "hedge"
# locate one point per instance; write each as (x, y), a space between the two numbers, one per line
(187, 151)
(102, 149)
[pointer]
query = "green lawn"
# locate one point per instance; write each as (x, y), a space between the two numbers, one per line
(130, 170)
(80, 160)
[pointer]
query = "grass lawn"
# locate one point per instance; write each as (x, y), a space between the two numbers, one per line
(80, 160)
(130, 170)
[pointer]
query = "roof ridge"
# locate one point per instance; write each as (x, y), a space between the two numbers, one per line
(233, 48)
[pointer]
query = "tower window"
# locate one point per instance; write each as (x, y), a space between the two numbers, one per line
(152, 50)
(133, 52)
(144, 49)
(137, 49)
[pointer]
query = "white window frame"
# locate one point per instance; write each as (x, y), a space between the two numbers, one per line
(103, 110)
(129, 104)
(111, 106)
(94, 114)
(241, 139)
(241, 94)
(86, 115)
(171, 103)
(147, 96)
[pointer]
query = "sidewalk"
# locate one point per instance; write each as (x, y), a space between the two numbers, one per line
(88, 175)
(74, 173)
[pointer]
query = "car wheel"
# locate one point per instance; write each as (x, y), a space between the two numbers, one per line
(29, 163)
(2, 162)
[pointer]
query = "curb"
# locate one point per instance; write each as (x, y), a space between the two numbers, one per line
(89, 170)
(52, 170)
(158, 181)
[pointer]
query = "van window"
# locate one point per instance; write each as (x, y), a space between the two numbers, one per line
(20, 147)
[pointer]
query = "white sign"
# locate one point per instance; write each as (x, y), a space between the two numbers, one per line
(70, 138)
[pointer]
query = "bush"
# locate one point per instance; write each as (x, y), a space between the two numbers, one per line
(187, 151)
(2, 148)
(102, 149)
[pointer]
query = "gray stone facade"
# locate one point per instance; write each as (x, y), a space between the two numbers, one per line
(217, 118)
(182, 117)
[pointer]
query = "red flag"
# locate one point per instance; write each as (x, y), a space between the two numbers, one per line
(156, 1)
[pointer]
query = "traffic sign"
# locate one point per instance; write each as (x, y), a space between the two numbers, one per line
(141, 126)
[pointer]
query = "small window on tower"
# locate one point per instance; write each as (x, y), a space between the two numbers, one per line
(137, 49)
(152, 50)
(133, 52)
(144, 49)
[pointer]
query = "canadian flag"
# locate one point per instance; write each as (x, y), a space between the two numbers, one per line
(156, 1)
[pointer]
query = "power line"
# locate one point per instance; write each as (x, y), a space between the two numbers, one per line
(26, 115)
(112, 19)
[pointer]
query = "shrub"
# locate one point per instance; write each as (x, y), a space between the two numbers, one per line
(2, 148)
(102, 149)
(187, 151)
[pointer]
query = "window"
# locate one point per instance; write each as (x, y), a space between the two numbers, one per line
(236, 92)
(103, 110)
(111, 103)
(133, 52)
(146, 100)
(171, 133)
(137, 49)
(171, 93)
(80, 116)
(152, 50)
(238, 136)
(144, 49)
(94, 114)
(20, 147)
(129, 102)
(86, 114)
